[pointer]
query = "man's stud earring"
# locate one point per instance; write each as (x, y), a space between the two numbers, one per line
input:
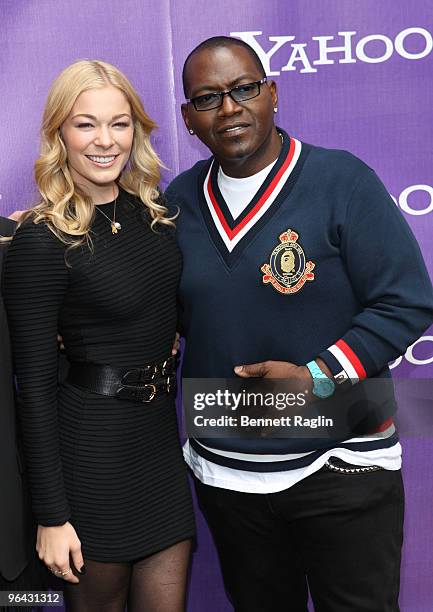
(191, 131)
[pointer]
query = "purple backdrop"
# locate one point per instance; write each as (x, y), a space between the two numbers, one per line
(374, 97)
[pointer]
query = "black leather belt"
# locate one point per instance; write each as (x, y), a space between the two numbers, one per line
(136, 384)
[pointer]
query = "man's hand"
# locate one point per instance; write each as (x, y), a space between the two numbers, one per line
(298, 375)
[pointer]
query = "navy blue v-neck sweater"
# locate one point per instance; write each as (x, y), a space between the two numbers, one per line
(355, 292)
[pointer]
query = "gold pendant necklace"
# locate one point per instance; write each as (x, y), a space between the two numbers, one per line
(115, 225)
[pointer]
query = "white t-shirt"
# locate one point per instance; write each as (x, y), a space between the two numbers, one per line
(238, 192)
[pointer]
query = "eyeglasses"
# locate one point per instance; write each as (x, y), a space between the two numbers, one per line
(240, 93)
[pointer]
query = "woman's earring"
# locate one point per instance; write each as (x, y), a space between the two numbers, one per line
(191, 131)
(275, 109)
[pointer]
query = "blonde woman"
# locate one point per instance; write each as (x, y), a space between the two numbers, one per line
(96, 260)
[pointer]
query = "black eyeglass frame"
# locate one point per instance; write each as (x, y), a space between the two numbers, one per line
(227, 92)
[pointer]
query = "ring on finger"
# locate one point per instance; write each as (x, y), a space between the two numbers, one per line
(65, 573)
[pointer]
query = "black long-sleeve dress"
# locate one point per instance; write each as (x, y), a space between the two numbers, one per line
(112, 467)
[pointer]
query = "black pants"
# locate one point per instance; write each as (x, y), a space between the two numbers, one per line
(340, 535)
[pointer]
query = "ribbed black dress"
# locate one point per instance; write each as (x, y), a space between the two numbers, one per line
(112, 467)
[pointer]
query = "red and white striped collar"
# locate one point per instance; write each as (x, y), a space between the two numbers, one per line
(231, 233)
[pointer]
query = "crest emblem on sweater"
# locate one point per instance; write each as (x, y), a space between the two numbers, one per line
(288, 270)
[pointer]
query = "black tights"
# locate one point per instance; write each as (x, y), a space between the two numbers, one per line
(154, 584)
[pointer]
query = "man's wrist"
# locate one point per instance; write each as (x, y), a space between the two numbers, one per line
(323, 385)
(322, 365)
(340, 379)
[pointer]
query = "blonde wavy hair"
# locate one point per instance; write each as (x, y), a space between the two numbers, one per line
(67, 210)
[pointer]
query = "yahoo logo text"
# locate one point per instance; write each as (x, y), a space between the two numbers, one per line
(346, 51)
(412, 356)
(407, 199)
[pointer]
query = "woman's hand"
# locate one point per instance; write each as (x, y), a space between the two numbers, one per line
(54, 545)
(176, 344)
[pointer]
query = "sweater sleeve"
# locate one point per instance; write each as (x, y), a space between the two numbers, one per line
(35, 282)
(389, 278)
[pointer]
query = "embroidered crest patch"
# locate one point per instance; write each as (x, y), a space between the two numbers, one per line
(288, 270)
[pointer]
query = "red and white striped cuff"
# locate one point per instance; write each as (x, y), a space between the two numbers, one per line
(348, 360)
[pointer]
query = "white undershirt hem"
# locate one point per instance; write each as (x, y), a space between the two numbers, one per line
(271, 482)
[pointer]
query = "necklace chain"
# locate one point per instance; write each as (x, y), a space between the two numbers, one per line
(115, 225)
